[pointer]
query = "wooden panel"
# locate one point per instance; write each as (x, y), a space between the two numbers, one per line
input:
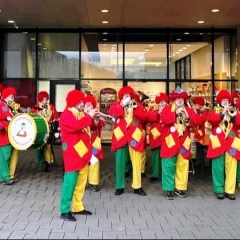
(138, 12)
(114, 16)
(70, 13)
(30, 13)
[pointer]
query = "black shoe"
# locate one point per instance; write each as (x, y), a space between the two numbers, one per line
(93, 188)
(180, 193)
(220, 196)
(152, 179)
(83, 212)
(68, 217)
(8, 182)
(45, 166)
(170, 195)
(119, 191)
(230, 196)
(143, 175)
(15, 180)
(140, 192)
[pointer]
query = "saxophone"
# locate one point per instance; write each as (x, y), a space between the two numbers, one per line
(45, 111)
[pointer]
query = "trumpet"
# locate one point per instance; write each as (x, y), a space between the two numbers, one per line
(14, 107)
(106, 118)
(232, 111)
(132, 104)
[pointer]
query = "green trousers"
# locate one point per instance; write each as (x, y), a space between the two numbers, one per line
(68, 187)
(168, 173)
(238, 172)
(224, 174)
(156, 163)
(120, 165)
(128, 164)
(40, 156)
(5, 155)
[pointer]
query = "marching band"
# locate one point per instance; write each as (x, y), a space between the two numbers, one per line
(169, 128)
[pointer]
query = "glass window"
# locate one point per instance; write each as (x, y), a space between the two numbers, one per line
(145, 56)
(225, 56)
(58, 55)
(194, 46)
(105, 92)
(19, 55)
(101, 55)
(25, 88)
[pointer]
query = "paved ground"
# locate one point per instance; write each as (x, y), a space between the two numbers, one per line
(30, 208)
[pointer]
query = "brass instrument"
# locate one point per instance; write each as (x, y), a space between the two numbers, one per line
(14, 107)
(132, 104)
(106, 118)
(182, 118)
(45, 112)
(232, 111)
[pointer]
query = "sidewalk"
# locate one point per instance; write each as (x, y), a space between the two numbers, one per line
(29, 209)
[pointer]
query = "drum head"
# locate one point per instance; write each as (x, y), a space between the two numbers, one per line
(22, 131)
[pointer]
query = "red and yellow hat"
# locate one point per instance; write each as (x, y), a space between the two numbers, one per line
(8, 91)
(91, 99)
(223, 94)
(41, 95)
(179, 93)
(161, 97)
(125, 90)
(74, 97)
(198, 100)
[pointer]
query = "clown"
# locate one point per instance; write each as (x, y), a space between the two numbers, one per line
(77, 154)
(8, 95)
(128, 138)
(175, 150)
(155, 135)
(223, 149)
(49, 112)
(96, 129)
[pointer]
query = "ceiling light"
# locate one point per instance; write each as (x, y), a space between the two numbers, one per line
(32, 39)
(104, 10)
(201, 22)
(104, 22)
(186, 33)
(150, 63)
(201, 33)
(151, 45)
(104, 39)
(180, 50)
(104, 44)
(146, 50)
(215, 10)
(39, 44)
(105, 33)
(11, 21)
(188, 45)
(44, 48)
(184, 48)
(178, 39)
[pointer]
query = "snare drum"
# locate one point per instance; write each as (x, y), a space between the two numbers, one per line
(28, 131)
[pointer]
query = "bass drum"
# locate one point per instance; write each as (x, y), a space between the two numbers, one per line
(28, 131)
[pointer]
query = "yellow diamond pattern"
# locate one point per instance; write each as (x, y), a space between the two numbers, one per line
(137, 134)
(81, 148)
(155, 133)
(118, 133)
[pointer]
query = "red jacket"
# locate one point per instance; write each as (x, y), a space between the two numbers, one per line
(5, 116)
(156, 129)
(125, 132)
(221, 141)
(96, 130)
(172, 143)
(76, 139)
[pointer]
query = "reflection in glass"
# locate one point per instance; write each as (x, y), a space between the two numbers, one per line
(145, 56)
(196, 46)
(19, 55)
(58, 55)
(101, 55)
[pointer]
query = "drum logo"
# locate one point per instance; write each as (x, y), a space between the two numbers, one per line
(22, 131)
